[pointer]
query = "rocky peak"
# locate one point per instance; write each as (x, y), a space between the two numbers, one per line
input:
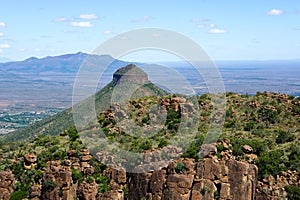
(130, 73)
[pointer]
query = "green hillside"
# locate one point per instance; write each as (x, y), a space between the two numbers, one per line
(268, 122)
(56, 124)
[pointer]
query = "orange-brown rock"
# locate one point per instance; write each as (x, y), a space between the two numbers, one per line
(7, 181)
(29, 161)
(87, 191)
(35, 191)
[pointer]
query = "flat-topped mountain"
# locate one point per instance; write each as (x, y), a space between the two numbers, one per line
(130, 73)
(125, 79)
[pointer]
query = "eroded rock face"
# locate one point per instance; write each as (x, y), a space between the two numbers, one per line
(7, 181)
(87, 191)
(183, 179)
(208, 178)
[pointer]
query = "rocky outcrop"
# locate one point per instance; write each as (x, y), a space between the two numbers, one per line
(57, 182)
(87, 191)
(271, 188)
(29, 161)
(209, 178)
(7, 182)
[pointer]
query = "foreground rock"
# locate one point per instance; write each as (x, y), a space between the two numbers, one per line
(207, 179)
(7, 182)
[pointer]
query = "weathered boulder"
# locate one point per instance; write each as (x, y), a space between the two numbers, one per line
(87, 191)
(247, 149)
(29, 161)
(7, 181)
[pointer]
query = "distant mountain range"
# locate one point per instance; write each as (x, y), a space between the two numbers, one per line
(46, 82)
(62, 63)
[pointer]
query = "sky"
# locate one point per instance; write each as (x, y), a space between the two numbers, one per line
(226, 30)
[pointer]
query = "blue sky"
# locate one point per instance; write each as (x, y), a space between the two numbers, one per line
(226, 30)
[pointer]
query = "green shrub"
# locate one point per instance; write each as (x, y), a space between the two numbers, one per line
(126, 191)
(217, 195)
(257, 145)
(270, 163)
(48, 184)
(146, 145)
(284, 137)
(38, 175)
(293, 192)
(191, 152)
(89, 179)
(162, 143)
(294, 158)
(73, 134)
(77, 176)
(103, 184)
(20, 194)
(180, 168)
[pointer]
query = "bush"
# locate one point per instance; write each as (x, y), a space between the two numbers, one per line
(258, 146)
(126, 191)
(162, 143)
(38, 175)
(17, 195)
(293, 192)
(217, 195)
(191, 152)
(146, 145)
(284, 137)
(180, 168)
(103, 184)
(48, 184)
(77, 176)
(73, 134)
(89, 179)
(270, 163)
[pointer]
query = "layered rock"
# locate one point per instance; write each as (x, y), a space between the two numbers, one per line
(207, 179)
(7, 182)
(211, 177)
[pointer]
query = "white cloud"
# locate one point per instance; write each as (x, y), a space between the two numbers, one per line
(61, 19)
(275, 12)
(216, 31)
(108, 32)
(2, 24)
(22, 49)
(82, 24)
(37, 49)
(1, 34)
(88, 16)
(4, 46)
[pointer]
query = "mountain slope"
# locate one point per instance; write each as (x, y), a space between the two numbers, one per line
(261, 130)
(57, 123)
